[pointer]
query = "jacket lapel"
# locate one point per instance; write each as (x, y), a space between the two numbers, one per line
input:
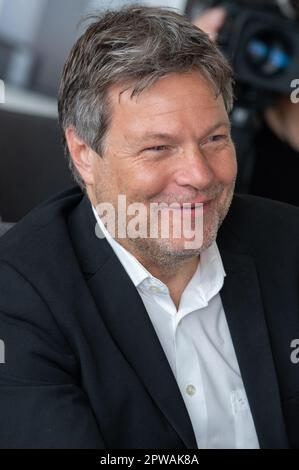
(126, 318)
(243, 307)
(128, 322)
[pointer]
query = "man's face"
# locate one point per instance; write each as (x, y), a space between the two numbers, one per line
(170, 144)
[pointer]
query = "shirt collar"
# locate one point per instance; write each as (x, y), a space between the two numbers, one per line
(208, 279)
(136, 271)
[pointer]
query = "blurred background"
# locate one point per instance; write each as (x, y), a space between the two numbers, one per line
(35, 39)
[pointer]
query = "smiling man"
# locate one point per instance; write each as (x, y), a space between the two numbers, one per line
(116, 341)
(169, 145)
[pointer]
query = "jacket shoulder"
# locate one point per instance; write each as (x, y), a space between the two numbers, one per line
(35, 256)
(39, 229)
(255, 221)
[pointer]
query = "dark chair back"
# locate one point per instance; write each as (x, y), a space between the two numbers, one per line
(32, 164)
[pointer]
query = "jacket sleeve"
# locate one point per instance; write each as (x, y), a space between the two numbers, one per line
(41, 402)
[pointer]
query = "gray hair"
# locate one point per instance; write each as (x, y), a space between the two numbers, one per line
(136, 44)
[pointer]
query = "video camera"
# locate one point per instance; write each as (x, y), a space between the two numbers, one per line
(261, 40)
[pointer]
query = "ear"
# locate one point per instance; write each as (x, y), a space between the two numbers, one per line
(82, 155)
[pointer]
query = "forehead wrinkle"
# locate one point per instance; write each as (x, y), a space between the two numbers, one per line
(124, 91)
(149, 115)
(182, 109)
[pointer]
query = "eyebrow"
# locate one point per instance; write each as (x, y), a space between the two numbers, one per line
(167, 136)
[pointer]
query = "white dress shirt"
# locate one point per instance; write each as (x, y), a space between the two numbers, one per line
(197, 343)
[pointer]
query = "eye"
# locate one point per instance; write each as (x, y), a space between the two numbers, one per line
(157, 148)
(217, 138)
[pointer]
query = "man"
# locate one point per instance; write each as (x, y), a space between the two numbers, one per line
(139, 341)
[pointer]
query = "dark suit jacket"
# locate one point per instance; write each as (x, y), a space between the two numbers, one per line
(83, 365)
(4, 228)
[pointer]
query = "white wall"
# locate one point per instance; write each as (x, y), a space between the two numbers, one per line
(180, 4)
(96, 4)
(104, 4)
(51, 27)
(26, 16)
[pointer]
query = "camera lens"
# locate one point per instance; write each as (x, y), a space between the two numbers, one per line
(268, 53)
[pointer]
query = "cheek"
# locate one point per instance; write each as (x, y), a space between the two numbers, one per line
(225, 168)
(143, 181)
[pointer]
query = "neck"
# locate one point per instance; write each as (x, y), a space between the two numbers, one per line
(176, 278)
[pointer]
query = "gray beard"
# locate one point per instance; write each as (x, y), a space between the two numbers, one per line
(161, 253)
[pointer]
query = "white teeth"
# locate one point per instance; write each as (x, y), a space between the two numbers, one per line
(191, 206)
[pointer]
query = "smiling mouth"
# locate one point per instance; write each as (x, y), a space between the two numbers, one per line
(187, 205)
(196, 205)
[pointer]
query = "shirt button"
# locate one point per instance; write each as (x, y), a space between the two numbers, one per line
(191, 390)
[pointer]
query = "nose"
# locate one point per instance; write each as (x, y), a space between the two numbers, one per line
(193, 169)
